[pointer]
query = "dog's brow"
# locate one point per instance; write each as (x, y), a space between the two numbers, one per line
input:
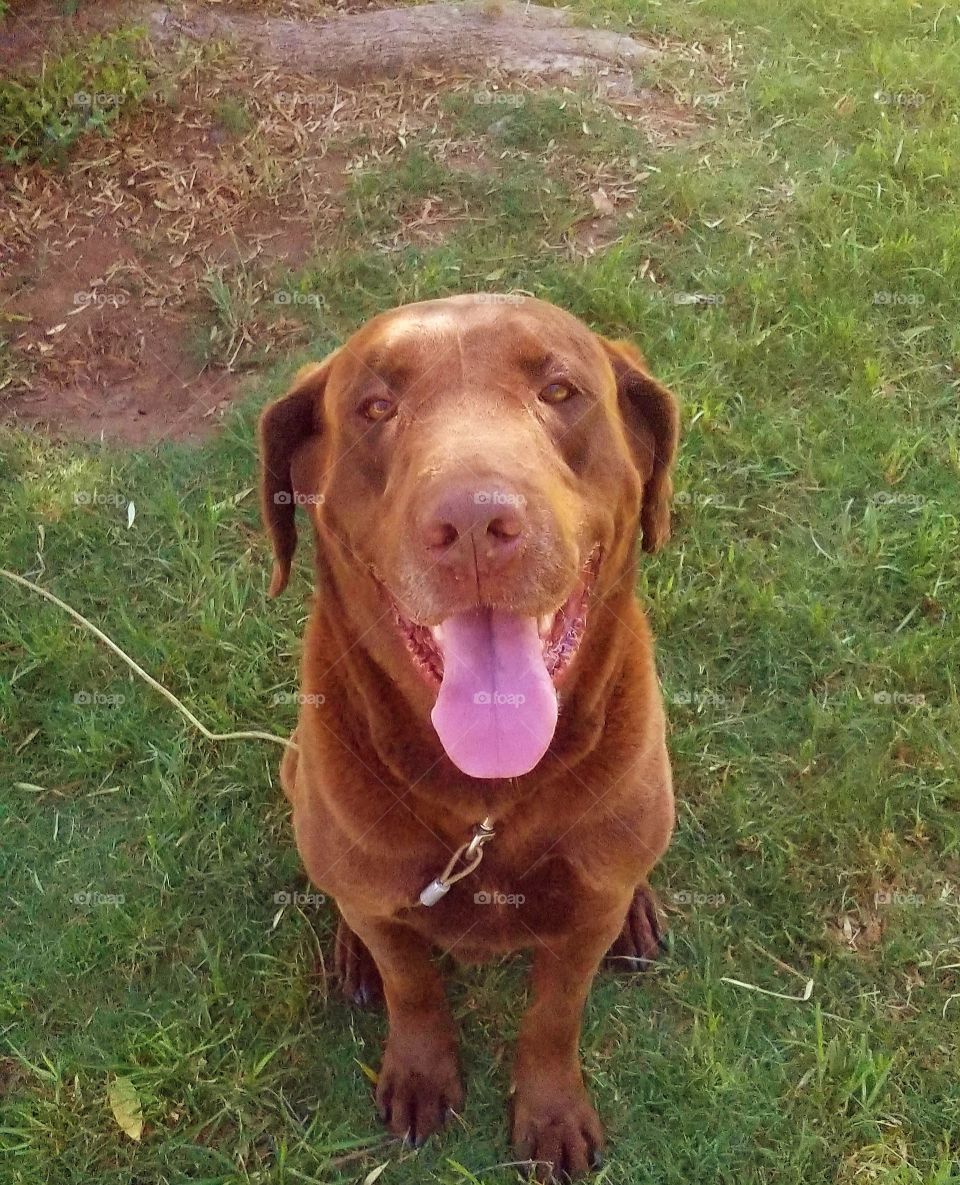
(409, 330)
(400, 359)
(536, 361)
(392, 372)
(541, 364)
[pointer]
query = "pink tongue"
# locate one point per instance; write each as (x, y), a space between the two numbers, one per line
(497, 708)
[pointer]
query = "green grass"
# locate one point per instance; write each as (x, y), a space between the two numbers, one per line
(44, 113)
(233, 116)
(812, 577)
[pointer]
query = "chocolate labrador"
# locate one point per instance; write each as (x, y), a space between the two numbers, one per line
(481, 765)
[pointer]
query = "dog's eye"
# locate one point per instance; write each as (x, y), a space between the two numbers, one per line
(377, 409)
(556, 393)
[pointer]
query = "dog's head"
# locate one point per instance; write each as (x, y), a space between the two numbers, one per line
(485, 462)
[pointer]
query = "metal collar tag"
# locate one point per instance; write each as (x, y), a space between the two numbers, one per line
(471, 853)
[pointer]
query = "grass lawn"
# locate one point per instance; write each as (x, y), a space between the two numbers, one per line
(792, 270)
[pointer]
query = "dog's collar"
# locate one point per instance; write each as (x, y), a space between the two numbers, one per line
(471, 852)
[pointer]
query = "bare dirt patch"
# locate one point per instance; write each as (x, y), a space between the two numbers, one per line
(237, 168)
(109, 363)
(106, 267)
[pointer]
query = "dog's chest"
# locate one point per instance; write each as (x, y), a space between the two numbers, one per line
(504, 906)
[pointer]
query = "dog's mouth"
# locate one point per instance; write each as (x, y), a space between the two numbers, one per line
(496, 674)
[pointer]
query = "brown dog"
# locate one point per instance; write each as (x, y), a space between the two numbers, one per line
(477, 471)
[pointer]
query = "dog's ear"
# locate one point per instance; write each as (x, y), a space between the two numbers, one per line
(285, 427)
(651, 418)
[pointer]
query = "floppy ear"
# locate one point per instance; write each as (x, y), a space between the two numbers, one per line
(285, 426)
(651, 418)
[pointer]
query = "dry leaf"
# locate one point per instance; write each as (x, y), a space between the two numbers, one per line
(601, 203)
(125, 1104)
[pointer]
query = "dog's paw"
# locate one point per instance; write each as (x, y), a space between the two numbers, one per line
(356, 972)
(559, 1135)
(641, 940)
(415, 1096)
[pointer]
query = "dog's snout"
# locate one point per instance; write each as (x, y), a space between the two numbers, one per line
(466, 527)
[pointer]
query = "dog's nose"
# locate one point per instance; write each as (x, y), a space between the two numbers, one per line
(469, 526)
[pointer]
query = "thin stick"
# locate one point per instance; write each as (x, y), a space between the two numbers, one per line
(167, 695)
(779, 962)
(752, 987)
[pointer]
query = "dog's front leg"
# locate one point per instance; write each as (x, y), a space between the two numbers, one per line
(419, 1081)
(554, 1123)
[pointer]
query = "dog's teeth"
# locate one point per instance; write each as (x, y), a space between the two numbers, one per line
(436, 632)
(545, 624)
